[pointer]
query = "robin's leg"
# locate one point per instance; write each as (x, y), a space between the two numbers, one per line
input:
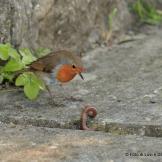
(53, 98)
(52, 101)
(49, 92)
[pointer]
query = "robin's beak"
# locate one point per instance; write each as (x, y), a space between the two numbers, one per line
(80, 74)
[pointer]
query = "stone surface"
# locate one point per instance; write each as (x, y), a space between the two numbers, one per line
(60, 24)
(17, 22)
(23, 29)
(123, 82)
(31, 144)
(87, 18)
(5, 21)
(79, 25)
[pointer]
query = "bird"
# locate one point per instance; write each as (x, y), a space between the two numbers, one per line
(61, 66)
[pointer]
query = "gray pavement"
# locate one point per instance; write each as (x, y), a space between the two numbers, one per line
(33, 144)
(124, 83)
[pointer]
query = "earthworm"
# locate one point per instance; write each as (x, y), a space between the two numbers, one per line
(88, 111)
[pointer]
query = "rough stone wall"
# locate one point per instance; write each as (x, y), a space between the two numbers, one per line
(16, 19)
(74, 24)
(5, 22)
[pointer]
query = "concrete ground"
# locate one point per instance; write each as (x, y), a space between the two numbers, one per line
(33, 144)
(123, 82)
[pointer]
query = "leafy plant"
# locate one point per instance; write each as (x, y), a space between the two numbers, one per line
(31, 83)
(111, 17)
(147, 13)
(107, 34)
(17, 62)
(42, 52)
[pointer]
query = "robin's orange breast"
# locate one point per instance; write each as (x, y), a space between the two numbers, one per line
(65, 74)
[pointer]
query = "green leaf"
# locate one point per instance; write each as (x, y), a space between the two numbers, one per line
(14, 54)
(21, 80)
(37, 81)
(8, 76)
(13, 65)
(147, 12)
(42, 52)
(41, 84)
(32, 84)
(31, 90)
(27, 56)
(4, 51)
(111, 17)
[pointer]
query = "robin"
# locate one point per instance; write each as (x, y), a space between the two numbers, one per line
(61, 65)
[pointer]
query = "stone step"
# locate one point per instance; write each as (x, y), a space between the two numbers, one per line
(30, 144)
(124, 83)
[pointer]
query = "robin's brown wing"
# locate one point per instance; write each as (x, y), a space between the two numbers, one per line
(37, 65)
(47, 63)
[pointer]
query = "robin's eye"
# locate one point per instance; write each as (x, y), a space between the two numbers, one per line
(74, 66)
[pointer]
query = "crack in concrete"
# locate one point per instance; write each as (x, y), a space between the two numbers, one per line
(113, 128)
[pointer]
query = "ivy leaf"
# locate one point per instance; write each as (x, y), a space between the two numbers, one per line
(31, 90)
(8, 76)
(37, 81)
(42, 52)
(27, 56)
(4, 51)
(15, 61)
(14, 54)
(21, 80)
(41, 84)
(32, 84)
(13, 65)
